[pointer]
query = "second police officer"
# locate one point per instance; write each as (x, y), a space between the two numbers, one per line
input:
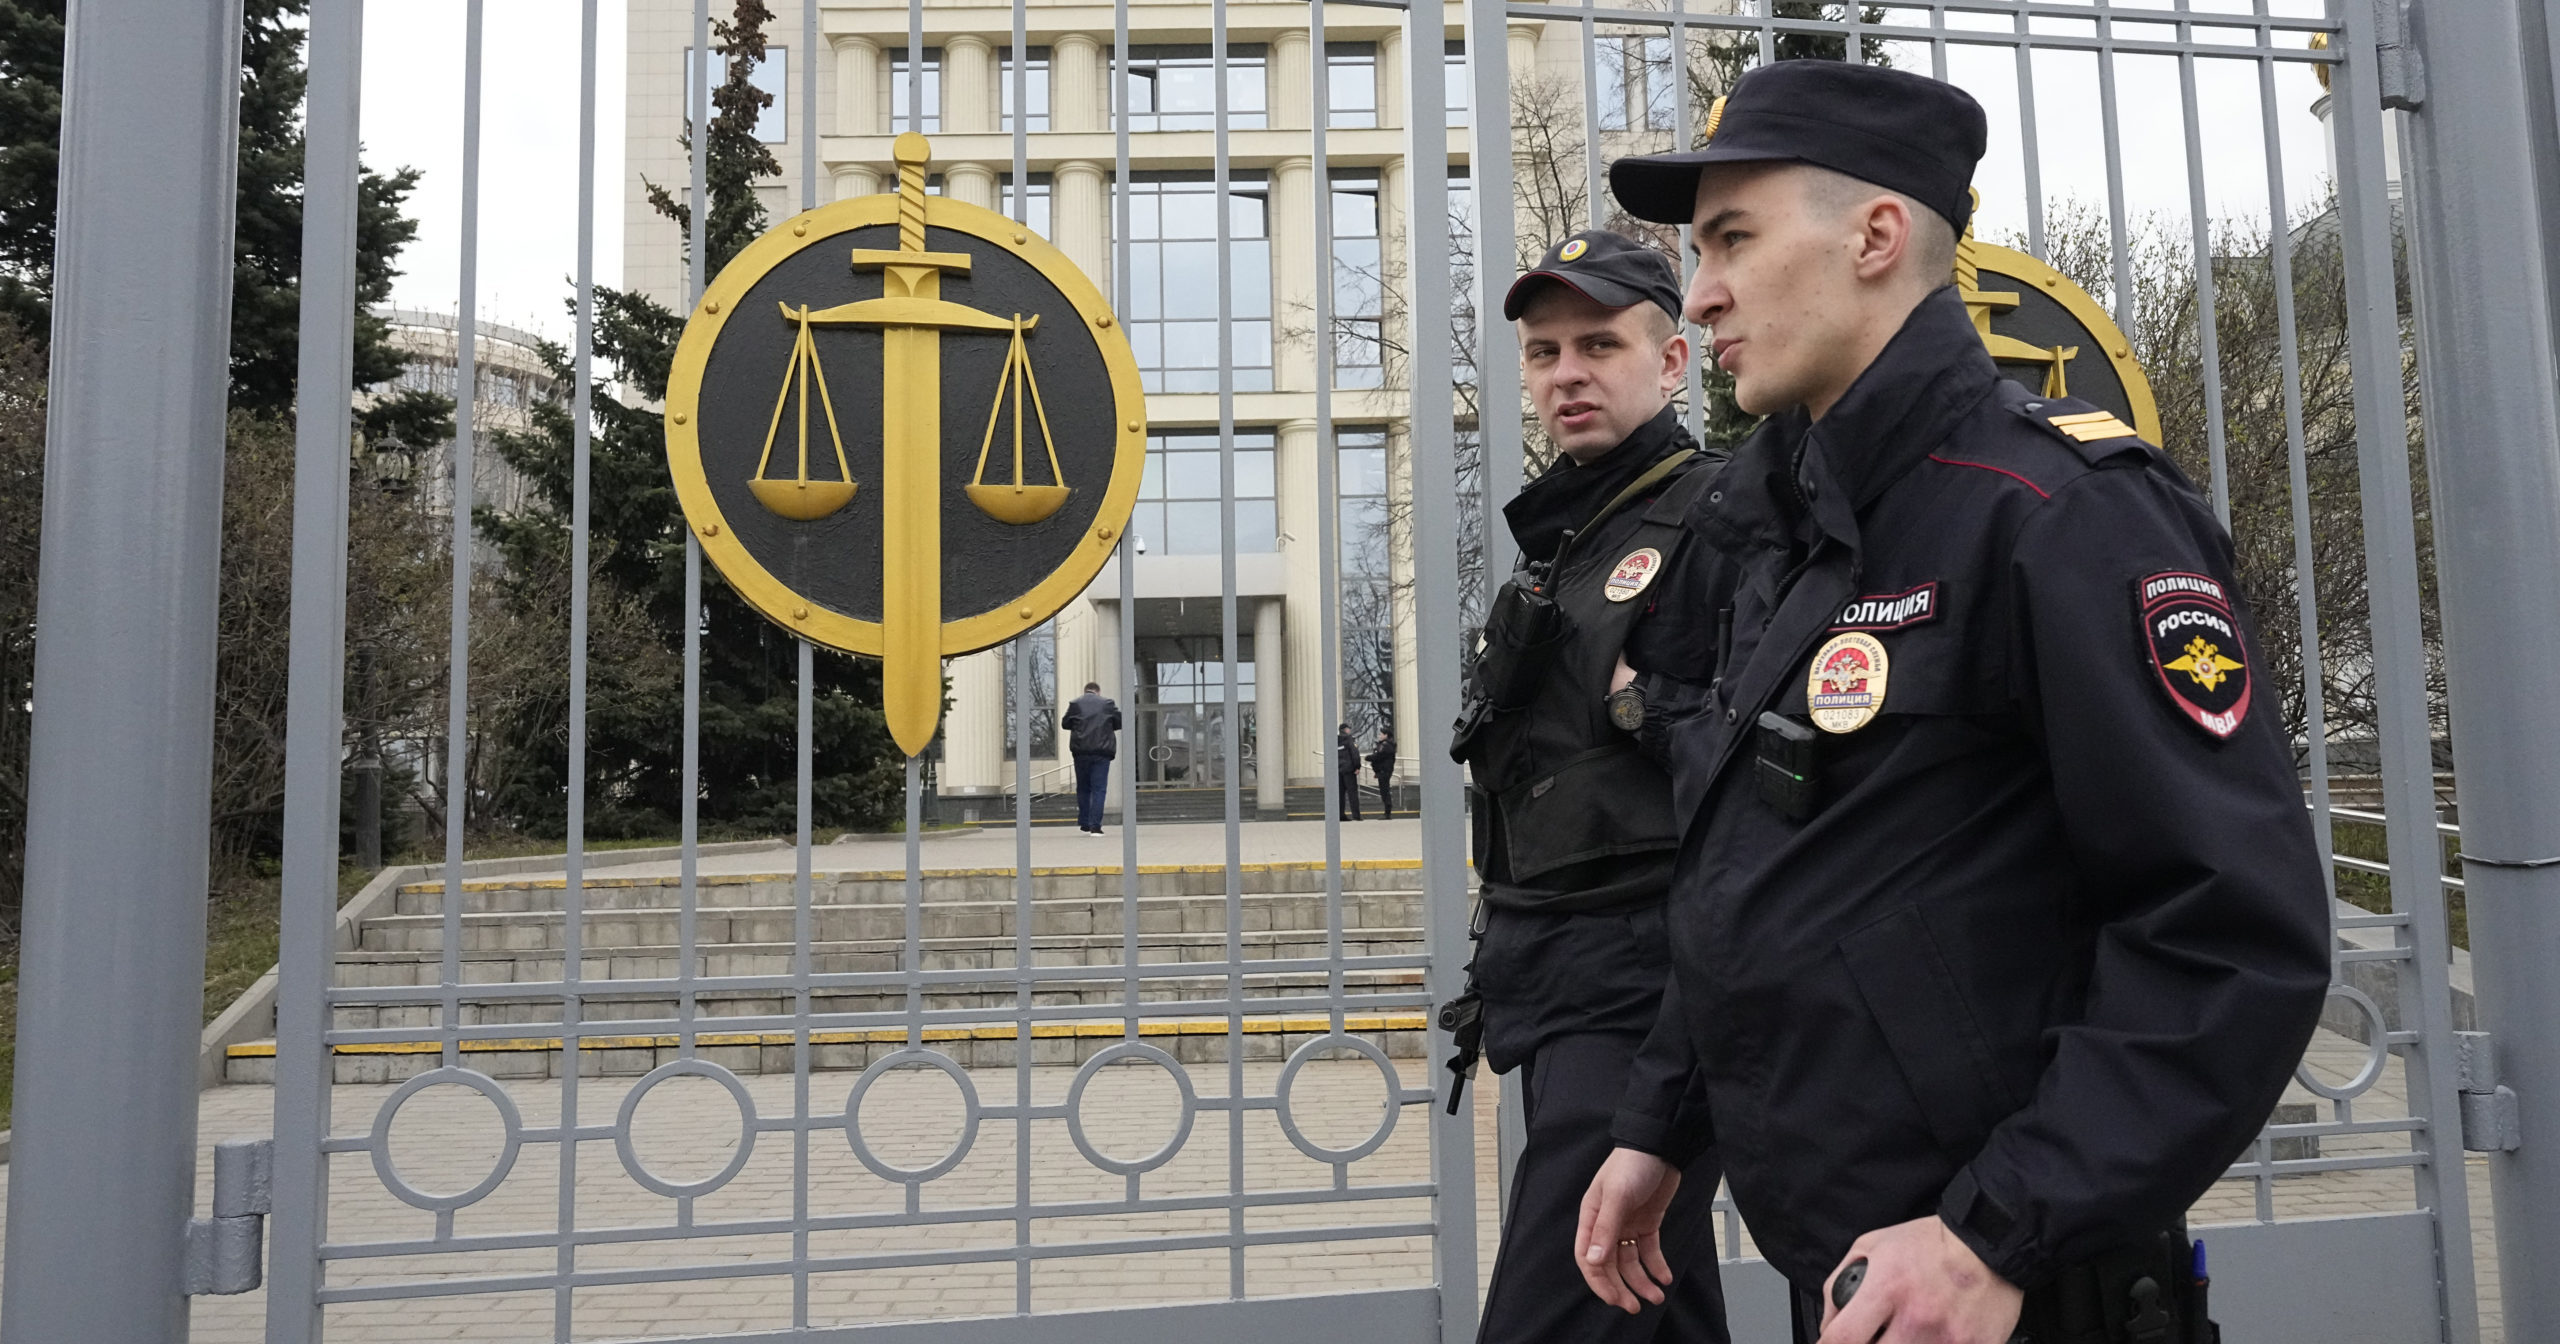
(1574, 832)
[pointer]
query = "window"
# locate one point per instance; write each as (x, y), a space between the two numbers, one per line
(1635, 83)
(1035, 79)
(1178, 495)
(1458, 91)
(1462, 279)
(1368, 605)
(1173, 281)
(1359, 283)
(1044, 695)
(1176, 89)
(771, 77)
(901, 71)
(1351, 84)
(1035, 204)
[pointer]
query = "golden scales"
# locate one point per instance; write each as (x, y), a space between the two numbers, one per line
(803, 498)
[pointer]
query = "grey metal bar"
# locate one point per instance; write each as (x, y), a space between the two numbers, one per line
(1489, 176)
(1593, 191)
(118, 803)
(2315, 691)
(1328, 505)
(2030, 157)
(2488, 347)
(2208, 334)
(572, 897)
(457, 729)
(2122, 249)
(803, 932)
(313, 731)
(1433, 482)
(912, 960)
(1220, 178)
(1128, 650)
(1022, 701)
(689, 807)
(1767, 25)
(808, 104)
(1685, 258)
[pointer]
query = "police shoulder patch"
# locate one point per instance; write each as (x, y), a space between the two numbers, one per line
(1632, 574)
(2194, 646)
(1889, 611)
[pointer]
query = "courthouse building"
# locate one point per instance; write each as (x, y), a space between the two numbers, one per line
(1176, 710)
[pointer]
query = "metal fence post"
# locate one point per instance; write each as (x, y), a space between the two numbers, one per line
(2493, 447)
(120, 766)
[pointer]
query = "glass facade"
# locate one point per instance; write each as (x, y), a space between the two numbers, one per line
(1359, 283)
(1635, 75)
(1035, 208)
(1044, 695)
(1177, 512)
(772, 76)
(901, 71)
(1368, 586)
(1176, 89)
(1173, 281)
(1351, 84)
(1035, 79)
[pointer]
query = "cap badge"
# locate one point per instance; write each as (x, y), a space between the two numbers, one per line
(1633, 574)
(1844, 690)
(1573, 251)
(1715, 118)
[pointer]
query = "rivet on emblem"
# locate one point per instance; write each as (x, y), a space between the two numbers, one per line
(799, 613)
(711, 305)
(678, 417)
(1844, 689)
(711, 529)
(800, 229)
(1102, 321)
(1023, 611)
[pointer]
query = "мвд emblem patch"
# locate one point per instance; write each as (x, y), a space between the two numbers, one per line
(2194, 644)
(1844, 689)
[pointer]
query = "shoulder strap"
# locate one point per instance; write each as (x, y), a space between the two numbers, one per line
(1652, 476)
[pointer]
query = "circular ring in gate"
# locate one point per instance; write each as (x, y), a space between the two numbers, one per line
(911, 1056)
(379, 1142)
(1298, 1059)
(2377, 1050)
(695, 1068)
(1093, 1067)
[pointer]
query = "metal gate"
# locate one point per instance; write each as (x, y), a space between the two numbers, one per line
(1291, 1178)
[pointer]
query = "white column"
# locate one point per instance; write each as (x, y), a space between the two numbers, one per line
(973, 760)
(1080, 219)
(855, 179)
(1270, 710)
(969, 84)
(1293, 240)
(1310, 739)
(974, 183)
(1288, 86)
(857, 84)
(1391, 222)
(1520, 46)
(1079, 92)
(1391, 78)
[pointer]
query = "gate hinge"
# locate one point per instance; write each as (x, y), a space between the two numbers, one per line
(225, 1251)
(2398, 68)
(2492, 1116)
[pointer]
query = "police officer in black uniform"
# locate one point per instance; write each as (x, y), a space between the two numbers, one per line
(1997, 925)
(1573, 829)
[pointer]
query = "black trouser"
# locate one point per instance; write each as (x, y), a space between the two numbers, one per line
(1386, 799)
(1537, 1295)
(1351, 796)
(1093, 782)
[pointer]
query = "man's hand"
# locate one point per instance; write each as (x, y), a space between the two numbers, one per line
(1620, 1237)
(1620, 676)
(1923, 1286)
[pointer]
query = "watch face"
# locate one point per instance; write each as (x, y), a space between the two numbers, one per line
(1626, 709)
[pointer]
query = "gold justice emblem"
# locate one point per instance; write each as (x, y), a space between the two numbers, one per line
(1844, 690)
(856, 557)
(2076, 350)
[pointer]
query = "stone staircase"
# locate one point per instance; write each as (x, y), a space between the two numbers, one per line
(512, 931)
(1303, 802)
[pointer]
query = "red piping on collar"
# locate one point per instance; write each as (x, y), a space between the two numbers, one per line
(1985, 466)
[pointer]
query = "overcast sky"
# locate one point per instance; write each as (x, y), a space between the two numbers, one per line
(413, 116)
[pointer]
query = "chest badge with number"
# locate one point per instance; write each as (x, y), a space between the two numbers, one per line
(1633, 574)
(1844, 691)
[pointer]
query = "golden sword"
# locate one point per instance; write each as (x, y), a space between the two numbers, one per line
(912, 316)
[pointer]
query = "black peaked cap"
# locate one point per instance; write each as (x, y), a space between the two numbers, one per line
(1610, 269)
(1903, 132)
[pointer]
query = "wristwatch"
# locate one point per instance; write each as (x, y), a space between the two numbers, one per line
(1626, 707)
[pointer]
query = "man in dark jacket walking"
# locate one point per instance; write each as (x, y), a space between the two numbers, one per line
(1574, 830)
(1998, 925)
(1346, 765)
(1382, 763)
(1093, 736)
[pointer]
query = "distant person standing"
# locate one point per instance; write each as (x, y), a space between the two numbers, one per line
(1382, 763)
(1093, 735)
(1346, 765)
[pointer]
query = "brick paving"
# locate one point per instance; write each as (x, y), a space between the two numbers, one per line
(689, 1128)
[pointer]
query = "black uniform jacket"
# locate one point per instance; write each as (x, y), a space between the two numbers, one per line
(2044, 957)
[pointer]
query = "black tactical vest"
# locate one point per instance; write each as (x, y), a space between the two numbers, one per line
(1559, 792)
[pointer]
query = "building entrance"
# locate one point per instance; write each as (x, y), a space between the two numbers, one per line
(1183, 716)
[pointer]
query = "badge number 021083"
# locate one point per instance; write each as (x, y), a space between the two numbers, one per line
(1844, 689)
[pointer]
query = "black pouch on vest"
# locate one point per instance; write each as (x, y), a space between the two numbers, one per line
(1789, 773)
(1521, 636)
(1601, 803)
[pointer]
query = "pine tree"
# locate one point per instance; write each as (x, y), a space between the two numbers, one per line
(30, 128)
(749, 711)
